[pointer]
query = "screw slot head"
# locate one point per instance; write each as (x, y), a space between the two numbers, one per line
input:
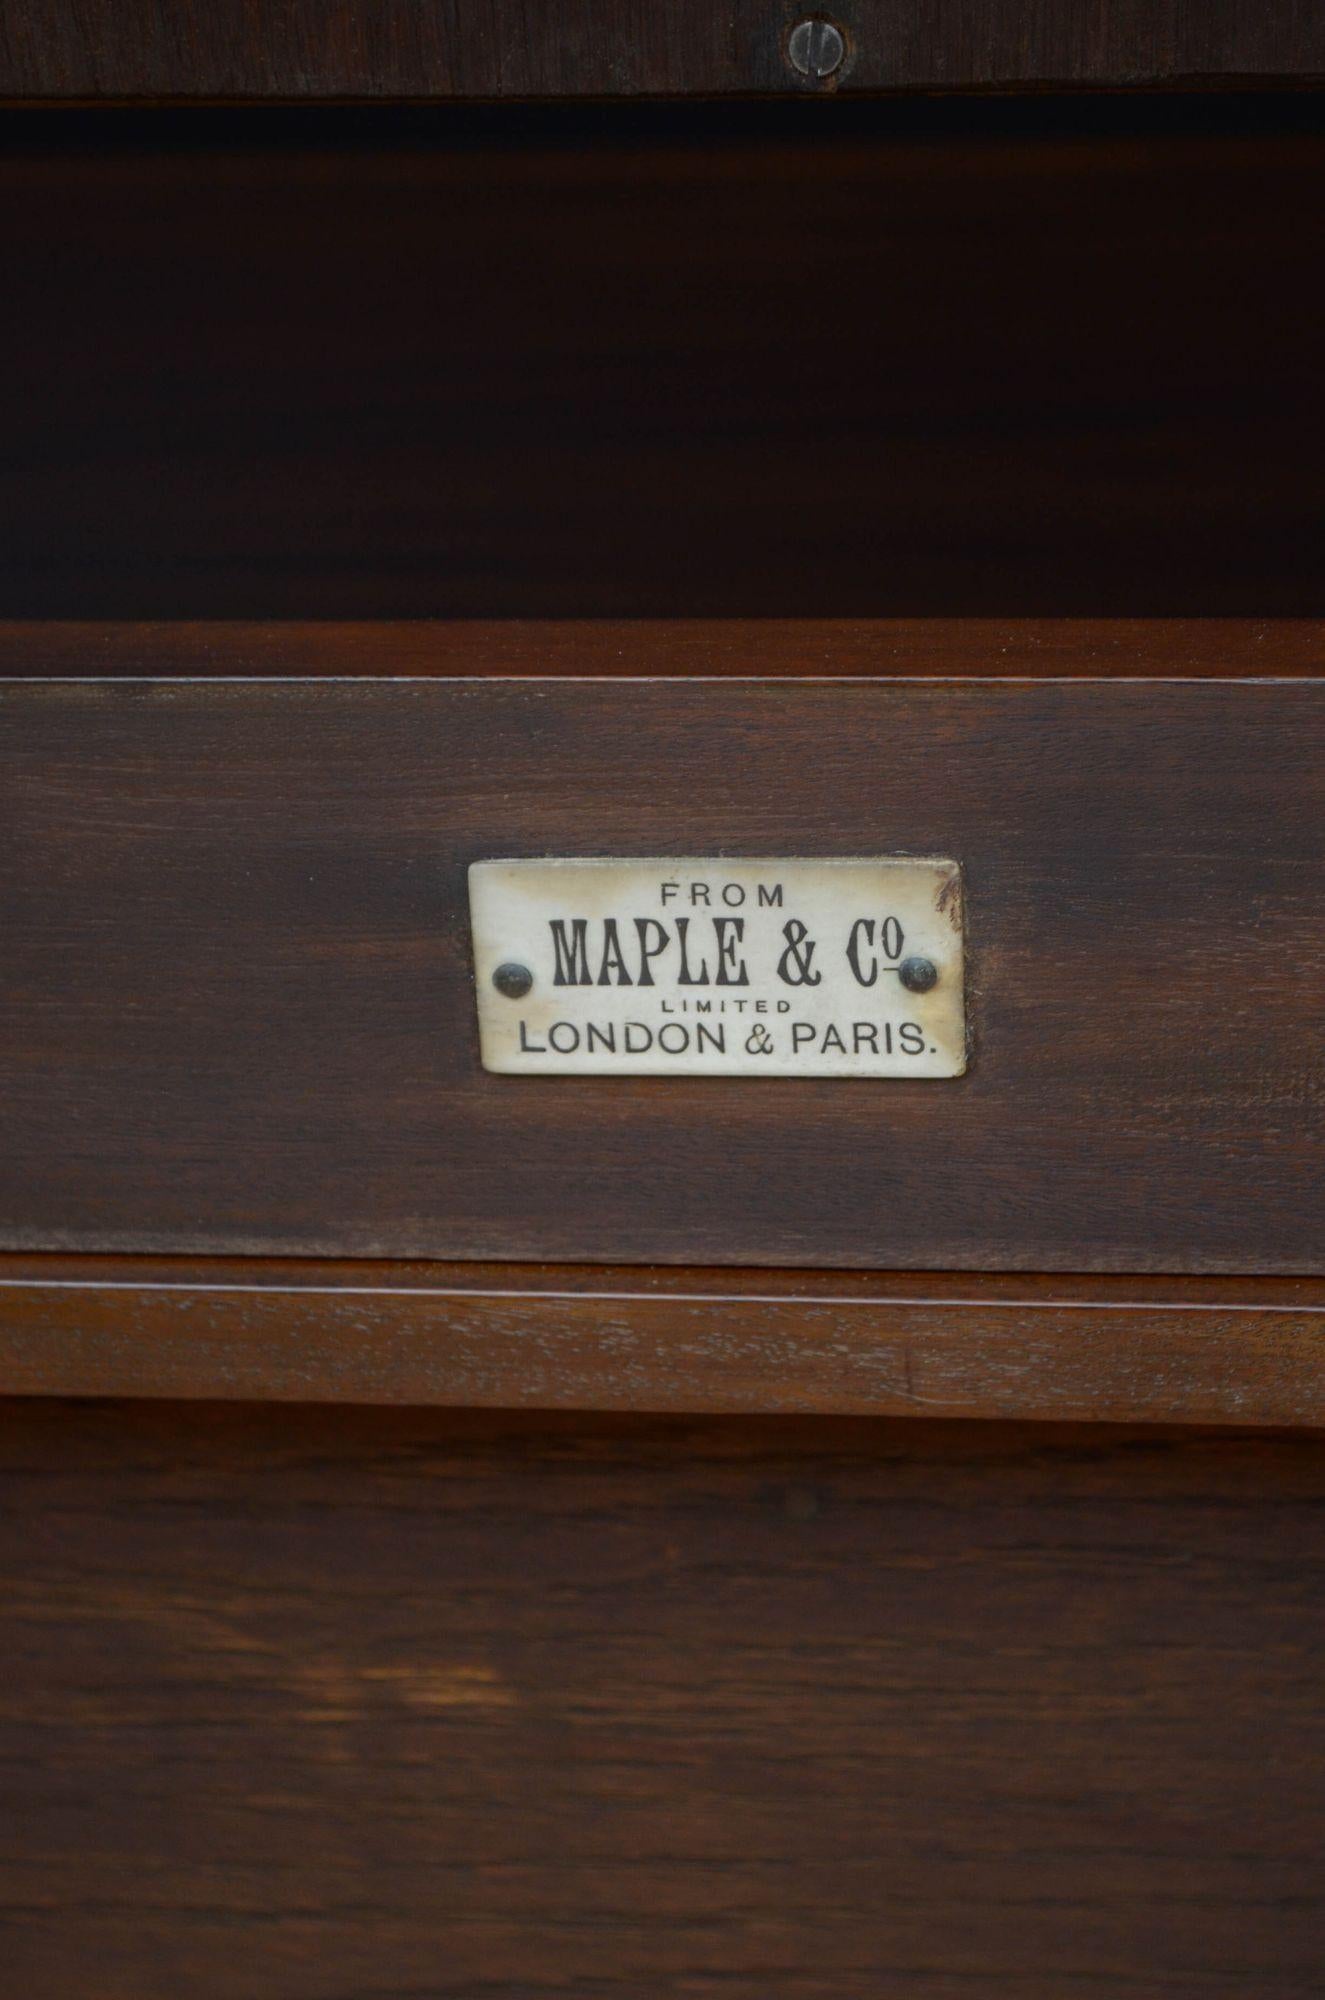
(918, 975)
(815, 48)
(513, 980)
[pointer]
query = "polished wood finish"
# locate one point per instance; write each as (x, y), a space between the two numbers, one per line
(791, 649)
(304, 1704)
(813, 361)
(301, 1704)
(621, 48)
(238, 1014)
(1231, 1351)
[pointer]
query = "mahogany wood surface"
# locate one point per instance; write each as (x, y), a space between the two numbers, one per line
(314, 1705)
(943, 649)
(238, 1015)
(612, 48)
(370, 1704)
(800, 360)
(1227, 1350)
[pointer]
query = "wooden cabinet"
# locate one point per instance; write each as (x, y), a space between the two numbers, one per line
(650, 1536)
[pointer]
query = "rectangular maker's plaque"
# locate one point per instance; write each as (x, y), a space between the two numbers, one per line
(720, 967)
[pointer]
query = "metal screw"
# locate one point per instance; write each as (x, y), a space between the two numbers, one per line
(816, 48)
(513, 980)
(918, 975)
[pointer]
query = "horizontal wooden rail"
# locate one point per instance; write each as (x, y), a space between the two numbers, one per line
(1205, 1350)
(318, 49)
(704, 649)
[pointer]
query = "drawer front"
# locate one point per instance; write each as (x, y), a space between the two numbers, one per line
(237, 1009)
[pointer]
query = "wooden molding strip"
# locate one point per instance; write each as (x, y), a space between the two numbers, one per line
(310, 50)
(719, 649)
(1171, 1350)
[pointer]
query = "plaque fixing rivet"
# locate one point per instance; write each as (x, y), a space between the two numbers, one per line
(815, 48)
(918, 975)
(513, 980)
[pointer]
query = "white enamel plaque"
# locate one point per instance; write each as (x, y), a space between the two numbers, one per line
(847, 968)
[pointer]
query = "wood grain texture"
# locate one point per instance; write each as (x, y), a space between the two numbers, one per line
(614, 48)
(238, 1013)
(330, 1706)
(790, 649)
(611, 367)
(1230, 1351)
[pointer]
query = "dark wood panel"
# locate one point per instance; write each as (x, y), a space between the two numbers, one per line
(310, 1705)
(302, 49)
(675, 648)
(903, 366)
(1099, 1349)
(238, 1011)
